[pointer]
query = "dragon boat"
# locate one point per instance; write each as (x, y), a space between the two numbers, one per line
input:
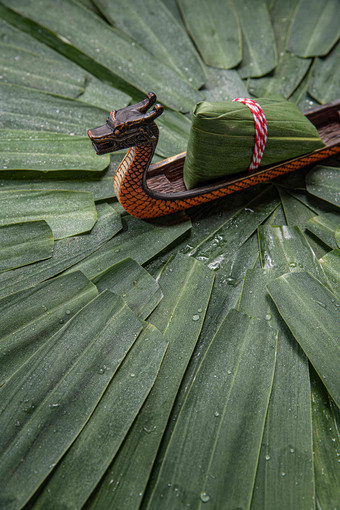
(149, 190)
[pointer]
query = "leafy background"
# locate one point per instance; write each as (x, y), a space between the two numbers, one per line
(187, 362)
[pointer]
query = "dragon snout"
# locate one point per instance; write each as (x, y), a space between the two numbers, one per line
(102, 139)
(100, 133)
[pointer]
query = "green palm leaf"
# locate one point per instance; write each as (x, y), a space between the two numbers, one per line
(326, 420)
(66, 253)
(325, 226)
(331, 266)
(153, 26)
(219, 246)
(312, 317)
(49, 305)
(20, 66)
(182, 278)
(290, 69)
(24, 243)
(66, 212)
(215, 29)
(285, 248)
(324, 84)
(46, 112)
(286, 450)
(154, 239)
(105, 53)
(223, 85)
(49, 380)
(208, 428)
(133, 283)
(99, 183)
(48, 70)
(259, 53)
(315, 28)
(24, 150)
(298, 213)
(324, 182)
(109, 423)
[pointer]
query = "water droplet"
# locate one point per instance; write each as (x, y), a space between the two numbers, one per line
(292, 264)
(320, 303)
(267, 457)
(231, 281)
(216, 413)
(195, 317)
(283, 473)
(204, 497)
(268, 317)
(229, 372)
(292, 450)
(54, 405)
(199, 310)
(148, 431)
(132, 375)
(68, 312)
(247, 209)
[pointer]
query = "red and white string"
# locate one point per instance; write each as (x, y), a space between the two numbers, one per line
(260, 130)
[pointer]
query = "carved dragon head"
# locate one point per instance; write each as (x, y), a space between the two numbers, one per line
(127, 127)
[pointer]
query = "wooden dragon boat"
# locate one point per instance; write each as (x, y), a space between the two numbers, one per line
(148, 190)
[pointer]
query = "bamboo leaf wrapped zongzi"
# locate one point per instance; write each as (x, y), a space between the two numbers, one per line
(222, 138)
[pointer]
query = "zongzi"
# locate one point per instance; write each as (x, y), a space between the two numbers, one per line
(222, 138)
